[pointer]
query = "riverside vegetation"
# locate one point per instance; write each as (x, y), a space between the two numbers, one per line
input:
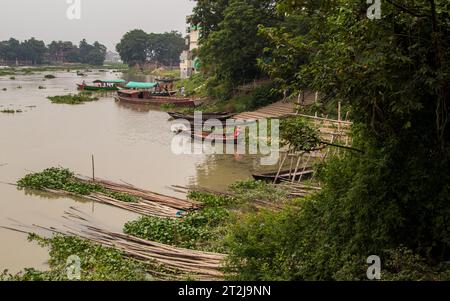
(393, 74)
(64, 179)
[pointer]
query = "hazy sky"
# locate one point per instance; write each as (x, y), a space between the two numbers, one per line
(102, 20)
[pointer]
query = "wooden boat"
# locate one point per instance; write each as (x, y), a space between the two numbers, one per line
(285, 175)
(149, 98)
(165, 94)
(166, 80)
(221, 116)
(213, 137)
(102, 85)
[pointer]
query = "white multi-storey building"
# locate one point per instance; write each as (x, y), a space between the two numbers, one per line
(189, 62)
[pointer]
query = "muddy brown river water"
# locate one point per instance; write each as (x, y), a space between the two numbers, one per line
(130, 143)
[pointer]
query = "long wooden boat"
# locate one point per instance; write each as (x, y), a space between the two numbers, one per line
(221, 116)
(148, 98)
(212, 137)
(96, 88)
(285, 175)
(102, 85)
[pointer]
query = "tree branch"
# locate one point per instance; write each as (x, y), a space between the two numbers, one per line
(406, 9)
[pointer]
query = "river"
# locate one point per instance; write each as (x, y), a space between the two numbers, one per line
(130, 143)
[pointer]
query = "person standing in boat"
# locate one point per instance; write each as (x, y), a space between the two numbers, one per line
(237, 132)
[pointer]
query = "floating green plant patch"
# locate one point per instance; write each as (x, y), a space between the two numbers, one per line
(72, 99)
(65, 180)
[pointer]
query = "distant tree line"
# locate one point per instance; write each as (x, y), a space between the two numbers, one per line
(139, 47)
(35, 52)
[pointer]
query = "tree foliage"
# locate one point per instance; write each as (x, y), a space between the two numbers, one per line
(394, 75)
(138, 47)
(231, 46)
(36, 52)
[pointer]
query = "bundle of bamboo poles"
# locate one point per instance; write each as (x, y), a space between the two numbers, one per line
(141, 207)
(266, 204)
(201, 265)
(145, 195)
(177, 262)
(299, 189)
(148, 204)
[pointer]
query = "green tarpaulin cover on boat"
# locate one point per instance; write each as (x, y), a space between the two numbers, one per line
(138, 85)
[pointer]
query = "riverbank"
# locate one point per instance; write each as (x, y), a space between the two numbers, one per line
(204, 231)
(129, 142)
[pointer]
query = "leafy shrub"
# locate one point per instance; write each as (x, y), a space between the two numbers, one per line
(248, 191)
(329, 235)
(298, 134)
(263, 96)
(210, 200)
(202, 229)
(220, 91)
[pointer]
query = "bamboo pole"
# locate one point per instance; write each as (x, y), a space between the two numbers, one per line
(304, 168)
(296, 167)
(93, 168)
(279, 169)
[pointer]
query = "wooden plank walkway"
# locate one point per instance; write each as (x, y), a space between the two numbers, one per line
(279, 109)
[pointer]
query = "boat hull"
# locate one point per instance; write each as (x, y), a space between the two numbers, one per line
(158, 101)
(285, 175)
(208, 137)
(94, 88)
(205, 116)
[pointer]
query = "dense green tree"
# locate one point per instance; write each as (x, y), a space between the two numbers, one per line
(37, 52)
(64, 51)
(208, 14)
(138, 47)
(10, 50)
(33, 50)
(133, 48)
(394, 73)
(92, 54)
(231, 51)
(167, 48)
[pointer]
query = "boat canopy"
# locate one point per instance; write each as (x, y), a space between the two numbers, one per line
(111, 81)
(138, 85)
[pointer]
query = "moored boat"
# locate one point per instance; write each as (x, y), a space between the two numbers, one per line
(214, 137)
(103, 85)
(146, 98)
(144, 93)
(285, 175)
(221, 116)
